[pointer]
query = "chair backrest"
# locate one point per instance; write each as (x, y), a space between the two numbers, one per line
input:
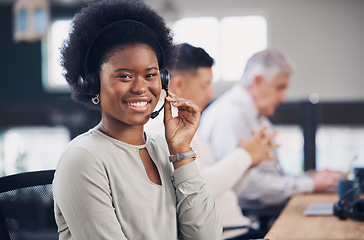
(26, 206)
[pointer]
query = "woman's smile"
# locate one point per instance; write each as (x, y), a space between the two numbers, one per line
(141, 105)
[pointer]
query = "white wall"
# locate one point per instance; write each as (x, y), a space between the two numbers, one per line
(325, 38)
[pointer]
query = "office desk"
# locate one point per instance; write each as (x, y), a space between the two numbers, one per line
(293, 224)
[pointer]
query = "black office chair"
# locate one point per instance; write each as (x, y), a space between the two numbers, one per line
(266, 215)
(26, 206)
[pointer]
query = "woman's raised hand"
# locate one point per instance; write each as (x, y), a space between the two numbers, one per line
(181, 129)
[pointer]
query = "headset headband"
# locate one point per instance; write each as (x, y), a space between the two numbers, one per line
(116, 24)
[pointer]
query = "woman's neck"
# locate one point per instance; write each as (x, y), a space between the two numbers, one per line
(133, 135)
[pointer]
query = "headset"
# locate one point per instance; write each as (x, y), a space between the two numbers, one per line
(91, 81)
(344, 209)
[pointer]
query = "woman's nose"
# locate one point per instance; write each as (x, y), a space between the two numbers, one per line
(139, 85)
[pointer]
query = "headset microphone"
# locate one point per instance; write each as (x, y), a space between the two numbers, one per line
(156, 113)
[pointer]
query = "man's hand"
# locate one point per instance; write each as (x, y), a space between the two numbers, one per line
(325, 179)
(259, 146)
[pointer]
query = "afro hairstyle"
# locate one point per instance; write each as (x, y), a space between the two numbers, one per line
(88, 44)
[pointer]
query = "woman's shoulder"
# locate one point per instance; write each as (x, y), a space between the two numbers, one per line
(90, 135)
(92, 140)
(87, 144)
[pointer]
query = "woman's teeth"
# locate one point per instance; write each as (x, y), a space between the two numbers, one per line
(138, 104)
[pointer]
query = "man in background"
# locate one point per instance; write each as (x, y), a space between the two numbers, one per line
(243, 109)
(191, 78)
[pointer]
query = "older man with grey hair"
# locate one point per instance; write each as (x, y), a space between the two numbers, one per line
(245, 108)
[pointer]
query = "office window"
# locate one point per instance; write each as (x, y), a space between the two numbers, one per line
(52, 71)
(339, 147)
(229, 40)
(25, 149)
(290, 152)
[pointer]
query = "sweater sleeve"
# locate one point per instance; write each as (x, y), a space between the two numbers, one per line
(83, 202)
(196, 210)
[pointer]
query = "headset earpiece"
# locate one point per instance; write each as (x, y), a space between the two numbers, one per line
(93, 81)
(165, 77)
(90, 83)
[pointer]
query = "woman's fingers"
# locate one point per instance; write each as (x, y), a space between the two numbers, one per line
(180, 130)
(182, 103)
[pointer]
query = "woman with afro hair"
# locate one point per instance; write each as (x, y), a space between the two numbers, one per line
(115, 181)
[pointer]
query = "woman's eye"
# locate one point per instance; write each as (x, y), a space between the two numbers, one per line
(151, 75)
(124, 76)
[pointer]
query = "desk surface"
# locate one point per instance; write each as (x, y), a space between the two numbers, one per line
(293, 224)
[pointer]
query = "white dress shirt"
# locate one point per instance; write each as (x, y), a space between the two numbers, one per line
(233, 116)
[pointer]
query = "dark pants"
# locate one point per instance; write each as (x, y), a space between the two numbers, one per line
(251, 234)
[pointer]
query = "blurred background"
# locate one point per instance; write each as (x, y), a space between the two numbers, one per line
(321, 126)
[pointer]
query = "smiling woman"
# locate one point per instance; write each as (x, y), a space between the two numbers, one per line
(115, 181)
(130, 77)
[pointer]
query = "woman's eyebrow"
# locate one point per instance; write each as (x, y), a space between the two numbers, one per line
(123, 69)
(131, 70)
(152, 68)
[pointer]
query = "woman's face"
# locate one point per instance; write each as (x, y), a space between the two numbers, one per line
(129, 85)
